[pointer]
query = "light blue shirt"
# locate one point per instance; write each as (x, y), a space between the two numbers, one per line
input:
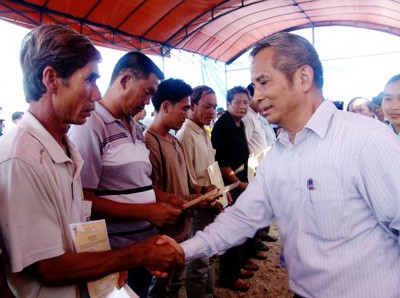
(335, 228)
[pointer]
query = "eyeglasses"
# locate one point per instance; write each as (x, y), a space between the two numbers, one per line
(240, 103)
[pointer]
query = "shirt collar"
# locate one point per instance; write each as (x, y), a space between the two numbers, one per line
(229, 116)
(320, 120)
(190, 123)
(318, 123)
(251, 111)
(108, 118)
(57, 154)
(104, 114)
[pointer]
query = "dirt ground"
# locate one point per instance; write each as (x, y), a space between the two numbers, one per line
(269, 282)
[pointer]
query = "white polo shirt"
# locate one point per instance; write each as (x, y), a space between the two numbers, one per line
(40, 195)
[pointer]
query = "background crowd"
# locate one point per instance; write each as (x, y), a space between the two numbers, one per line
(77, 155)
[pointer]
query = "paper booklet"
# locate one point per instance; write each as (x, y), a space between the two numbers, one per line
(212, 194)
(216, 178)
(253, 162)
(92, 236)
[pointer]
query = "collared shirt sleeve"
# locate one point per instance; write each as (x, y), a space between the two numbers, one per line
(251, 212)
(379, 164)
(188, 147)
(29, 222)
(89, 146)
(155, 159)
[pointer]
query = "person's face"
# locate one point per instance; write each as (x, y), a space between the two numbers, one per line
(239, 105)
(391, 103)
(359, 106)
(379, 113)
(178, 113)
(75, 98)
(139, 93)
(204, 111)
(278, 98)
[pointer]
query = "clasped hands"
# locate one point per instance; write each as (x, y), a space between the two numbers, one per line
(161, 255)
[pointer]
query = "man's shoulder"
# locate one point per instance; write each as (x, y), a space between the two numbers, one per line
(93, 125)
(151, 140)
(187, 131)
(21, 145)
(95, 121)
(359, 129)
(222, 122)
(361, 123)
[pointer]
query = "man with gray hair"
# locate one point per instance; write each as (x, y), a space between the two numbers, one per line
(336, 202)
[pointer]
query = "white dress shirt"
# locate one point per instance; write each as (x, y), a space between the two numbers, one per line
(254, 132)
(334, 194)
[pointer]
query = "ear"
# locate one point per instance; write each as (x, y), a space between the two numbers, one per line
(192, 106)
(124, 80)
(305, 77)
(165, 106)
(49, 79)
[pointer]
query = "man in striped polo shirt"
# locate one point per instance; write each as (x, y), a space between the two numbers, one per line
(116, 172)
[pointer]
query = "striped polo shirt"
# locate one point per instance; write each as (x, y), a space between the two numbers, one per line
(117, 165)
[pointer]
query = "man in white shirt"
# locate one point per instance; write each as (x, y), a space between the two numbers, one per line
(336, 201)
(40, 185)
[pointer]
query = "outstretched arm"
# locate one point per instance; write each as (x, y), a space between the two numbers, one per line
(158, 214)
(159, 254)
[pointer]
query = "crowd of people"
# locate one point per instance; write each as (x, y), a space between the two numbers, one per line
(326, 177)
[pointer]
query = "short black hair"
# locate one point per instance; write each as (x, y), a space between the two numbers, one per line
(16, 115)
(377, 100)
(236, 90)
(250, 88)
(138, 64)
(172, 90)
(394, 79)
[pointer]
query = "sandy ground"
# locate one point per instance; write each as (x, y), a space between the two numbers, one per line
(269, 282)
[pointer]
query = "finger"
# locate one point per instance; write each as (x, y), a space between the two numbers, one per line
(159, 274)
(122, 278)
(162, 241)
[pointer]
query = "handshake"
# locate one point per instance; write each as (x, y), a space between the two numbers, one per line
(161, 254)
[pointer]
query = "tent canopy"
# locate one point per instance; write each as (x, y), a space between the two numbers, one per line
(221, 30)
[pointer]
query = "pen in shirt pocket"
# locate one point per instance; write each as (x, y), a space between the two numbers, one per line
(310, 184)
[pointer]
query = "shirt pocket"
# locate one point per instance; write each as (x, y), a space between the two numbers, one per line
(327, 217)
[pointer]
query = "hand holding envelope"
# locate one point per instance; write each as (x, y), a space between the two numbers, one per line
(212, 195)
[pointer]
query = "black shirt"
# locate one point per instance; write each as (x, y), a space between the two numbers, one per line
(230, 144)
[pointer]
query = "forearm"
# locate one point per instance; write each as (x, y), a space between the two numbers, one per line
(73, 268)
(115, 211)
(229, 174)
(162, 196)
